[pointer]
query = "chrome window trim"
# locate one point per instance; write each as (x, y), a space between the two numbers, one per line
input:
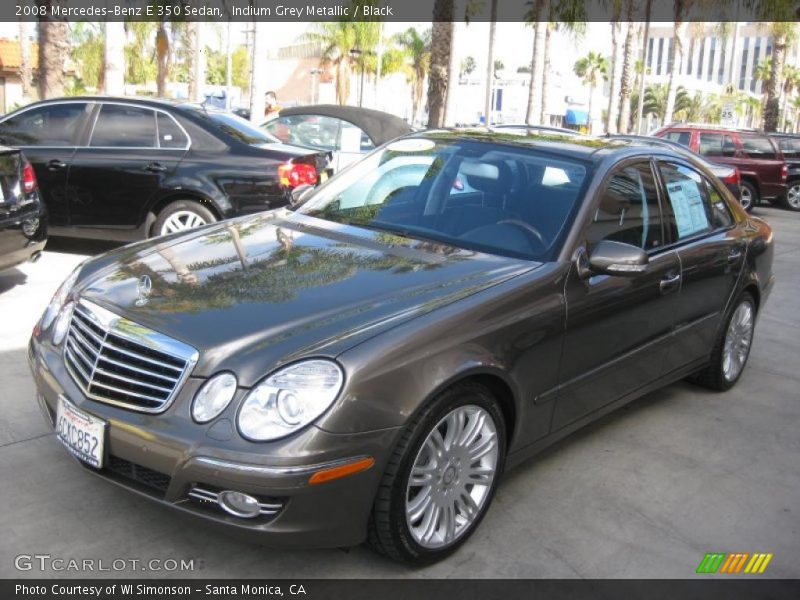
(145, 107)
(129, 330)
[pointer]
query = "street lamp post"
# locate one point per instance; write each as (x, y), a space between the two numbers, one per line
(315, 85)
(355, 54)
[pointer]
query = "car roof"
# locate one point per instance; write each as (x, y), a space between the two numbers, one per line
(380, 126)
(584, 147)
(648, 140)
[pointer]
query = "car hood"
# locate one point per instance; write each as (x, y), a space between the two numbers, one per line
(255, 292)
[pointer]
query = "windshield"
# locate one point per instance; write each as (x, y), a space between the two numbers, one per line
(477, 195)
(236, 127)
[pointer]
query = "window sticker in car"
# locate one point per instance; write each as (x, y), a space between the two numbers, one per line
(687, 204)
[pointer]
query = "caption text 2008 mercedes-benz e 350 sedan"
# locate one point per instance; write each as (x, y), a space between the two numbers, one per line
(365, 366)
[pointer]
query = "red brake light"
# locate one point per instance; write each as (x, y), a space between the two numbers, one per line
(294, 174)
(28, 178)
(784, 171)
(733, 177)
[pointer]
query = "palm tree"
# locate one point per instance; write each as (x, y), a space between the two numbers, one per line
(791, 81)
(163, 58)
(780, 15)
(25, 68)
(678, 13)
(612, 111)
(657, 96)
(536, 17)
(53, 52)
(796, 110)
(625, 84)
(592, 69)
(114, 58)
(490, 65)
(441, 42)
(416, 51)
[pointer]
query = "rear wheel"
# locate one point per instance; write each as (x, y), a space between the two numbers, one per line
(792, 201)
(182, 215)
(732, 348)
(748, 196)
(441, 477)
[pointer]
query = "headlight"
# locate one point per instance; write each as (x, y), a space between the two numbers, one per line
(58, 299)
(62, 323)
(213, 397)
(290, 399)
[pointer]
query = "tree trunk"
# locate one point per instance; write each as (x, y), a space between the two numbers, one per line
(775, 84)
(441, 40)
(590, 124)
(25, 68)
(487, 103)
(452, 84)
(343, 76)
(196, 52)
(53, 53)
(114, 60)
(162, 59)
(677, 55)
(642, 75)
(534, 115)
(547, 46)
(626, 81)
(616, 76)
(258, 87)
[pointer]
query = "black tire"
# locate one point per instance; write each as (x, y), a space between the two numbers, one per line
(712, 376)
(749, 188)
(389, 533)
(181, 207)
(792, 199)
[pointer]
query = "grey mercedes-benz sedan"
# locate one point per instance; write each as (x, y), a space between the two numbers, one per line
(366, 365)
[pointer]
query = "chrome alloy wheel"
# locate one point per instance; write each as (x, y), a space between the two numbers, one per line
(737, 341)
(451, 477)
(745, 197)
(182, 220)
(793, 196)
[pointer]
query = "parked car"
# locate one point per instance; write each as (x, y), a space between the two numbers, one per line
(125, 169)
(345, 132)
(23, 222)
(790, 147)
(759, 160)
(368, 365)
(725, 173)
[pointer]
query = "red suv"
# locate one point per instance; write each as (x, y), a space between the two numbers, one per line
(758, 158)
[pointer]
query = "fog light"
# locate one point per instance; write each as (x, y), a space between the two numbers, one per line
(239, 504)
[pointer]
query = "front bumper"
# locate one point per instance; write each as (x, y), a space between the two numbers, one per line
(164, 456)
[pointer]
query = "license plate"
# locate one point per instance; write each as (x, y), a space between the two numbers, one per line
(82, 434)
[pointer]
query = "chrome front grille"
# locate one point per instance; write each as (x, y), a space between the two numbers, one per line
(117, 361)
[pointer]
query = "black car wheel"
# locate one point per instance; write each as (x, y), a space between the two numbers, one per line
(182, 215)
(749, 195)
(792, 201)
(732, 347)
(441, 478)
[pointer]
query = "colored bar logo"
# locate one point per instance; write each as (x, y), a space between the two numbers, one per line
(734, 562)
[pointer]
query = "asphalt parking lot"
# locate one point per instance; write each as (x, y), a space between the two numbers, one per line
(642, 493)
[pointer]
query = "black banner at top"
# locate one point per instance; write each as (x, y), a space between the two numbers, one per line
(398, 10)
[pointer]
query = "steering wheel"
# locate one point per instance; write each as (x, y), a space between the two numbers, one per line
(528, 228)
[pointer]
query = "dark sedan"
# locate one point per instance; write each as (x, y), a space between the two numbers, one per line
(126, 169)
(367, 366)
(23, 223)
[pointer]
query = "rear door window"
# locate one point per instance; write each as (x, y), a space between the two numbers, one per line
(684, 138)
(688, 210)
(757, 146)
(52, 125)
(123, 126)
(790, 147)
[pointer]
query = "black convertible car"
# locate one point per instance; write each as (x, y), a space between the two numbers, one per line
(367, 366)
(126, 169)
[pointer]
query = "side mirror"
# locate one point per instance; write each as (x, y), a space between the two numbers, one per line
(616, 258)
(300, 194)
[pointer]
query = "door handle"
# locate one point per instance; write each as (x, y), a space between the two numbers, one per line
(56, 165)
(734, 256)
(669, 282)
(155, 167)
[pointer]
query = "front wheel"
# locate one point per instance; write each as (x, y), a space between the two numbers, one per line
(182, 215)
(441, 477)
(732, 348)
(748, 195)
(792, 201)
